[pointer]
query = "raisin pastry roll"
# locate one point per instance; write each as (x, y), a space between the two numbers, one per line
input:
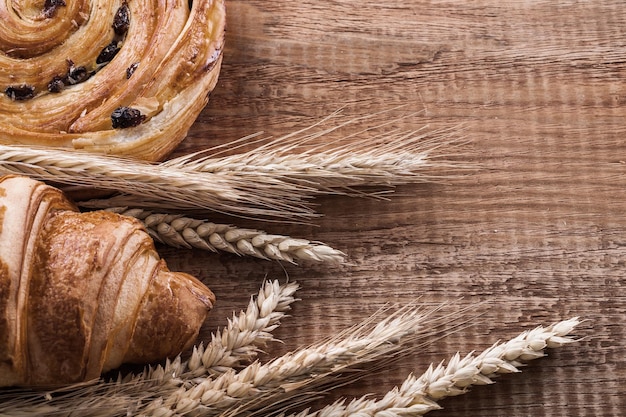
(125, 77)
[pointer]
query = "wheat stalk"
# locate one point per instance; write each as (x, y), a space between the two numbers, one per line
(238, 343)
(274, 180)
(297, 373)
(202, 385)
(179, 231)
(293, 377)
(154, 184)
(234, 345)
(419, 395)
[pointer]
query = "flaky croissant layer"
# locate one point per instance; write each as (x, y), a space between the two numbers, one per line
(82, 293)
(127, 77)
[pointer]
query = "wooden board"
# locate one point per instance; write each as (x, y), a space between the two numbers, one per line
(535, 234)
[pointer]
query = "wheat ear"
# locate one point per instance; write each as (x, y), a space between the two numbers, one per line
(234, 345)
(259, 385)
(155, 184)
(419, 395)
(325, 159)
(274, 180)
(238, 343)
(179, 231)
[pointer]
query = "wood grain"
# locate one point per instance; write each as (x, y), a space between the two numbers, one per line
(536, 234)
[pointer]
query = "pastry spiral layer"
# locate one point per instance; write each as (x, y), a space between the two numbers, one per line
(127, 77)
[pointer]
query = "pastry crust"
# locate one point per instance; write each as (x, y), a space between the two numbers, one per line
(82, 293)
(67, 68)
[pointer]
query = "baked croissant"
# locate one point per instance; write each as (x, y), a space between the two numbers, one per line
(82, 293)
(127, 77)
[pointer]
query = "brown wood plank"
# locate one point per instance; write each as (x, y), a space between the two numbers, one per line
(536, 234)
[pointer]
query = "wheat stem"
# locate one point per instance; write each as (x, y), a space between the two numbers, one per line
(156, 184)
(276, 180)
(418, 395)
(238, 343)
(259, 385)
(179, 231)
(234, 345)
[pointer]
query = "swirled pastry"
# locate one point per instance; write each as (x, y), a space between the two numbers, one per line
(127, 77)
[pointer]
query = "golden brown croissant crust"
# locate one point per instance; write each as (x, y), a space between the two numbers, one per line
(117, 76)
(82, 293)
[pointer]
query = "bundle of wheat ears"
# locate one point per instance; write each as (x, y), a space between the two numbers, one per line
(223, 375)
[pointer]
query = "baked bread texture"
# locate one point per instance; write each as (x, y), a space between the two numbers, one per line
(83, 293)
(124, 77)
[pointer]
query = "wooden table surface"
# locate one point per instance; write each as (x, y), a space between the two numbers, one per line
(534, 234)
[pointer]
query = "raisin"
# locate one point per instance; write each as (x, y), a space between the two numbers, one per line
(131, 70)
(76, 74)
(20, 92)
(50, 7)
(56, 85)
(121, 21)
(108, 53)
(124, 117)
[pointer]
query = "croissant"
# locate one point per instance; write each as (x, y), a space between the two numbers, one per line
(83, 293)
(125, 77)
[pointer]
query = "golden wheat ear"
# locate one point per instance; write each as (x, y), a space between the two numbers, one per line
(418, 395)
(185, 232)
(276, 180)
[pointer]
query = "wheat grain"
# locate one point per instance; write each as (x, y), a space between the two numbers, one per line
(289, 378)
(156, 184)
(298, 373)
(275, 180)
(418, 395)
(231, 347)
(180, 231)
(245, 333)
(238, 343)
(388, 158)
